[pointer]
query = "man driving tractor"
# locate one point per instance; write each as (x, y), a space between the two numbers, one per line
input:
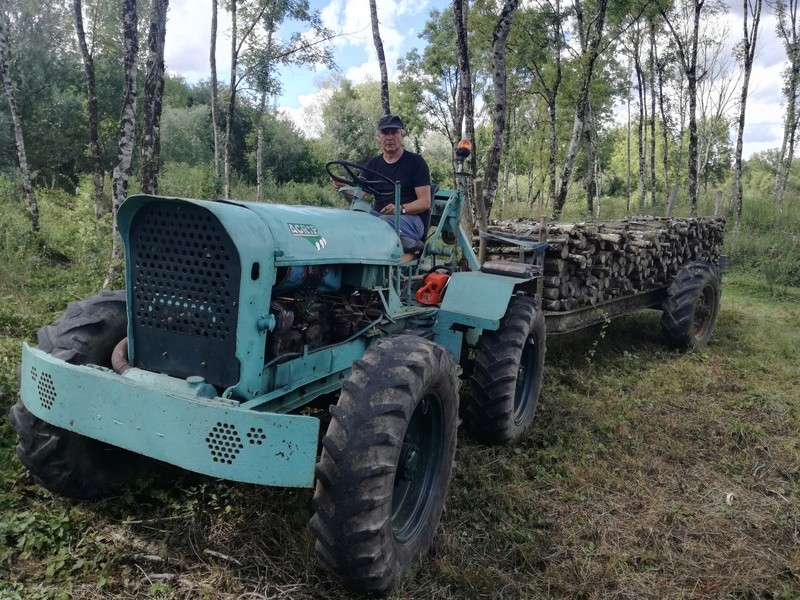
(412, 172)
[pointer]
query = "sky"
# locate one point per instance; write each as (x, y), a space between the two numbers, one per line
(401, 21)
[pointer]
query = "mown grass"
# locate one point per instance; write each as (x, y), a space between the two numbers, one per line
(649, 473)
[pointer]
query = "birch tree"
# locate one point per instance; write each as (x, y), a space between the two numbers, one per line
(544, 66)
(498, 109)
(752, 8)
(153, 94)
(8, 86)
(212, 60)
(92, 113)
(465, 110)
(376, 39)
(268, 51)
(127, 129)
(684, 26)
(590, 50)
(787, 28)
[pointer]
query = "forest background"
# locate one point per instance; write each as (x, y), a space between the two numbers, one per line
(649, 475)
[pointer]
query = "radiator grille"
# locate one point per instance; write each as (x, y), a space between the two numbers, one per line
(185, 295)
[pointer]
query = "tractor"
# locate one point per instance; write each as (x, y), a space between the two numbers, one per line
(239, 323)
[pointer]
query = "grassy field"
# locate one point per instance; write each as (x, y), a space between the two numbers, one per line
(649, 473)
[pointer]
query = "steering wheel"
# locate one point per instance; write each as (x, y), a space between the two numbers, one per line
(355, 177)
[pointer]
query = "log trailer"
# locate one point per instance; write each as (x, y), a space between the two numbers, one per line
(241, 321)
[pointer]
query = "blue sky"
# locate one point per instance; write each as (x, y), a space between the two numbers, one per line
(188, 33)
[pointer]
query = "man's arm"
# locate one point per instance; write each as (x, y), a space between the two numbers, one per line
(419, 205)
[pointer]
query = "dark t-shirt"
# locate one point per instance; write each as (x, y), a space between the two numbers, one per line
(411, 171)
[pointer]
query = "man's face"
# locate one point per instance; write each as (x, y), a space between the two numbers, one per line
(390, 139)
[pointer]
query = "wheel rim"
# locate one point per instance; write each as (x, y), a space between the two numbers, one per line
(703, 313)
(526, 379)
(418, 468)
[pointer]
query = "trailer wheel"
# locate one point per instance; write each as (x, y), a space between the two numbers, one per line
(386, 463)
(504, 387)
(692, 304)
(65, 462)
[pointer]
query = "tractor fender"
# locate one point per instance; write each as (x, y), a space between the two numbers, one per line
(474, 301)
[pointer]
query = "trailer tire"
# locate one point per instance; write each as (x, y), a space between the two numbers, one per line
(386, 462)
(692, 305)
(503, 391)
(65, 462)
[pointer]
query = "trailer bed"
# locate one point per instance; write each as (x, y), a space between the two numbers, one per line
(586, 316)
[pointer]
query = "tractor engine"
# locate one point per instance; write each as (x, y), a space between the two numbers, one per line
(310, 309)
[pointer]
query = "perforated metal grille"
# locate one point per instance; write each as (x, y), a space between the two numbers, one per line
(256, 436)
(224, 442)
(47, 390)
(185, 273)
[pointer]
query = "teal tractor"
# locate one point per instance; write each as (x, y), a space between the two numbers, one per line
(239, 323)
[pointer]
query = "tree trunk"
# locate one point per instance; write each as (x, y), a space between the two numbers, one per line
(688, 60)
(642, 128)
(628, 147)
(376, 39)
(749, 39)
(787, 29)
(664, 120)
(552, 108)
(590, 54)
(262, 105)
(591, 157)
(498, 110)
(92, 115)
(461, 15)
(153, 96)
(231, 105)
(652, 113)
(692, 150)
(214, 87)
(5, 64)
(127, 129)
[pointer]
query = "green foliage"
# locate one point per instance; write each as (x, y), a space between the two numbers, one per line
(286, 154)
(185, 135)
(768, 242)
(349, 116)
(189, 181)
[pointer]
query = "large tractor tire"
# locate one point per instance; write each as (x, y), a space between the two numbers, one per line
(65, 462)
(386, 463)
(692, 305)
(504, 386)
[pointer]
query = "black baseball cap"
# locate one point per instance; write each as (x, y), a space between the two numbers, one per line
(390, 122)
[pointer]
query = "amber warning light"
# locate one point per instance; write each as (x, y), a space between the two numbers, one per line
(463, 149)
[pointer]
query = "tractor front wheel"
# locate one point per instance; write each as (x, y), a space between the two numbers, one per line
(65, 462)
(386, 463)
(503, 390)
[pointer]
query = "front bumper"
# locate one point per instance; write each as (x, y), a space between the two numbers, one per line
(165, 418)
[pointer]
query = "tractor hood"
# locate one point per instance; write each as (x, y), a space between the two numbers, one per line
(299, 235)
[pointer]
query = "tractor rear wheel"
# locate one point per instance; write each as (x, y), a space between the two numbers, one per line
(692, 304)
(504, 386)
(386, 463)
(65, 462)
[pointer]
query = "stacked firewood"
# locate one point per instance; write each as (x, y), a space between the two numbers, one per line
(587, 263)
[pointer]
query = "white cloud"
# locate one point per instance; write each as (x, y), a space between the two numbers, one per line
(186, 50)
(308, 117)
